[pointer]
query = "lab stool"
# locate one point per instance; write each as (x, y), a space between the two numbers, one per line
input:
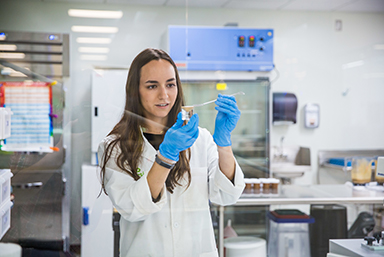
(289, 234)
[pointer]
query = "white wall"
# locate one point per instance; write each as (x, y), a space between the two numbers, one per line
(309, 55)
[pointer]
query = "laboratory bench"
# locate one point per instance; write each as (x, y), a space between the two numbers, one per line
(352, 248)
(302, 194)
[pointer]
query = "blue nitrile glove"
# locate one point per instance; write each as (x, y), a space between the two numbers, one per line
(179, 137)
(226, 119)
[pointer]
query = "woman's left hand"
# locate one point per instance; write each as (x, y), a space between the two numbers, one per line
(226, 119)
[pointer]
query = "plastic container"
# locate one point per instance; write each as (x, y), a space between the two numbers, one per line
(10, 250)
(245, 246)
(5, 218)
(5, 186)
(274, 185)
(256, 185)
(266, 185)
(288, 237)
(335, 216)
(248, 185)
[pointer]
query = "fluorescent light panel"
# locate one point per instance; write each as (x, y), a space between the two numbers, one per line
(101, 14)
(93, 40)
(88, 57)
(17, 74)
(12, 55)
(94, 29)
(8, 47)
(100, 50)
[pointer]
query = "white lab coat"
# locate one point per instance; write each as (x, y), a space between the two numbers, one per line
(180, 224)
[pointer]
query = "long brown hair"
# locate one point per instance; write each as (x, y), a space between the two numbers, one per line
(127, 133)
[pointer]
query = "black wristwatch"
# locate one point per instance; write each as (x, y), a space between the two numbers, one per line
(164, 164)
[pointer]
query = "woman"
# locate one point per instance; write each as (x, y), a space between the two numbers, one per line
(159, 173)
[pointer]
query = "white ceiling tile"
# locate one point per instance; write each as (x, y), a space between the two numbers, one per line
(257, 4)
(315, 5)
(364, 6)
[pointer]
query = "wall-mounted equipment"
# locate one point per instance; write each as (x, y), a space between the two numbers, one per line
(311, 115)
(284, 108)
(220, 48)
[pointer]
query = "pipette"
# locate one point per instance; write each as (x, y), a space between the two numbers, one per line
(187, 111)
(212, 101)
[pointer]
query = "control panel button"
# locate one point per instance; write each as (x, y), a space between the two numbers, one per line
(241, 41)
(251, 41)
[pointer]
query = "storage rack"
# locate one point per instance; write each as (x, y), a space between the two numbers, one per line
(40, 182)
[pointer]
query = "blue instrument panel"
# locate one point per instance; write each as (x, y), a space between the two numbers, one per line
(221, 48)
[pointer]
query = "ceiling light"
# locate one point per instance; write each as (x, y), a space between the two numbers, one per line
(100, 50)
(95, 14)
(8, 47)
(12, 55)
(94, 40)
(87, 57)
(94, 29)
(378, 47)
(17, 74)
(6, 71)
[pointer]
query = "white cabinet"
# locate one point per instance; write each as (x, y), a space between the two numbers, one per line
(97, 235)
(108, 101)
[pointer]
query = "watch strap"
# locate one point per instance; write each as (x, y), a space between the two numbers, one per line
(164, 164)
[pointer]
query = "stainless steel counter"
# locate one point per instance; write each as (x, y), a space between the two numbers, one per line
(352, 248)
(306, 194)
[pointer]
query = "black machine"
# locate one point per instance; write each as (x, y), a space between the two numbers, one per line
(363, 224)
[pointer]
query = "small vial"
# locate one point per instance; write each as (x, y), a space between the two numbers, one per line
(248, 185)
(186, 112)
(266, 185)
(256, 186)
(274, 185)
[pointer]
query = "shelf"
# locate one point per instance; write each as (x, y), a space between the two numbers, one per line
(337, 167)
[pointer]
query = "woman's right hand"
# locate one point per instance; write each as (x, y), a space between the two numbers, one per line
(179, 138)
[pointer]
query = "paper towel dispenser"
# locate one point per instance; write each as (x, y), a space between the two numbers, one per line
(284, 108)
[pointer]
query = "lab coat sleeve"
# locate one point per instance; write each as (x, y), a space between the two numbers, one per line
(132, 199)
(221, 190)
